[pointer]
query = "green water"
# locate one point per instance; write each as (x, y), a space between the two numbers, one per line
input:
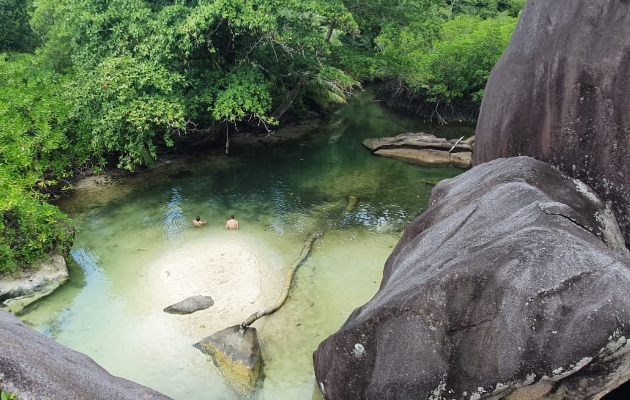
(327, 181)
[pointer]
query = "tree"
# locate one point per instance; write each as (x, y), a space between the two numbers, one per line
(15, 32)
(441, 75)
(145, 71)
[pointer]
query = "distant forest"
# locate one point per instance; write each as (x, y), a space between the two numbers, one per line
(89, 84)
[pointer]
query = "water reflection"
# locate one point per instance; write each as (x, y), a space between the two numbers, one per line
(88, 262)
(173, 216)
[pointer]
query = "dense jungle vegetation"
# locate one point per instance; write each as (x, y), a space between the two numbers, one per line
(87, 84)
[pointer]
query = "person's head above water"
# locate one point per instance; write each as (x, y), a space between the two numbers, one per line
(198, 218)
(232, 216)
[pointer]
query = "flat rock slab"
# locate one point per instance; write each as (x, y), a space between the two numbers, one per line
(418, 140)
(428, 157)
(190, 305)
(236, 352)
(37, 367)
(423, 149)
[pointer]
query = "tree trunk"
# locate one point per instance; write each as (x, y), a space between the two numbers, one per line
(290, 98)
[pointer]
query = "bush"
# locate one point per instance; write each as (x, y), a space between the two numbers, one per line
(29, 231)
(459, 64)
(36, 157)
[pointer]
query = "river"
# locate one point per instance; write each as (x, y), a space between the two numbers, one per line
(326, 181)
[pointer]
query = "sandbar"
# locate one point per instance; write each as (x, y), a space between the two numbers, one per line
(230, 270)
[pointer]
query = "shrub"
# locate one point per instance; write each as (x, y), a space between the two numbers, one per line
(29, 231)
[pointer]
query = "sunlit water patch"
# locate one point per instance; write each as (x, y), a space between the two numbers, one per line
(136, 236)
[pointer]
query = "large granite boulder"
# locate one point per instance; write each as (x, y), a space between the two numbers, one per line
(37, 367)
(514, 284)
(19, 290)
(560, 92)
(423, 149)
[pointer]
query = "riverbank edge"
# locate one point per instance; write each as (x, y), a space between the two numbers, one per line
(43, 277)
(29, 285)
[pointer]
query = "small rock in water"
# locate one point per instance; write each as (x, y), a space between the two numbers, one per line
(190, 305)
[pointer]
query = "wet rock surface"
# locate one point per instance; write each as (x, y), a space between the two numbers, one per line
(560, 92)
(37, 367)
(513, 284)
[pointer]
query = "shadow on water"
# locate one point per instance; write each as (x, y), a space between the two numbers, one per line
(326, 182)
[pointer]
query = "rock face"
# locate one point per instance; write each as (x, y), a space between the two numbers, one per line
(190, 305)
(512, 285)
(236, 352)
(423, 149)
(560, 92)
(16, 292)
(37, 367)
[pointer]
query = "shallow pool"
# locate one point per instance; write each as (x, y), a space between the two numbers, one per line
(112, 307)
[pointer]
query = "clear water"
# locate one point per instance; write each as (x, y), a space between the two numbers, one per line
(112, 311)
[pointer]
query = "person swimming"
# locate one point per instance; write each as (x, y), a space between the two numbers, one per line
(199, 222)
(231, 223)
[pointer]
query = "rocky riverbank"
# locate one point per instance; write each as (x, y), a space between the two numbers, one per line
(21, 289)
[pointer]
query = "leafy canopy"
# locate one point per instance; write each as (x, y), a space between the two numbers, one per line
(119, 79)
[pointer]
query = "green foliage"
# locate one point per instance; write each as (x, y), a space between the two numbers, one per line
(34, 118)
(457, 64)
(52, 22)
(330, 86)
(15, 32)
(127, 106)
(29, 231)
(35, 160)
(143, 70)
(8, 396)
(486, 8)
(243, 91)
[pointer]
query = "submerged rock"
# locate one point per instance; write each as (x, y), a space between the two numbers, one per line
(423, 149)
(20, 290)
(37, 367)
(236, 352)
(190, 305)
(513, 284)
(560, 92)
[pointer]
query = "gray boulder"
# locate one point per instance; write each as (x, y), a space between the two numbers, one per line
(18, 291)
(560, 92)
(512, 285)
(236, 351)
(423, 149)
(37, 367)
(190, 305)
